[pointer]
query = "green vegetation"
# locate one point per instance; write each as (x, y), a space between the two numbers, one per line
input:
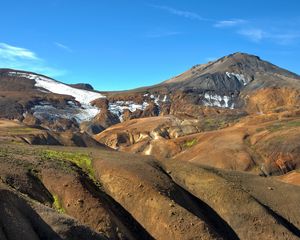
(275, 127)
(280, 126)
(213, 124)
(260, 130)
(20, 130)
(293, 124)
(189, 144)
(57, 204)
(210, 124)
(3, 152)
(82, 160)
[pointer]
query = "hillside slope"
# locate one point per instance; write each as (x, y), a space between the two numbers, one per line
(91, 193)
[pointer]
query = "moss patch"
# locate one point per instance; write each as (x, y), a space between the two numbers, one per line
(210, 124)
(3, 152)
(57, 204)
(82, 160)
(190, 143)
(293, 124)
(19, 131)
(282, 126)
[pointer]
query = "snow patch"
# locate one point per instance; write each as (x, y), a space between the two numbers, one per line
(165, 98)
(84, 97)
(156, 100)
(118, 107)
(47, 111)
(214, 100)
(239, 77)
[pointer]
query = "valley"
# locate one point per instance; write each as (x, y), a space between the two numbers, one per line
(210, 154)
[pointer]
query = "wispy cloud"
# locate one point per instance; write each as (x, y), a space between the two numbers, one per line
(11, 52)
(280, 36)
(286, 38)
(181, 13)
(63, 46)
(282, 32)
(254, 34)
(229, 23)
(25, 59)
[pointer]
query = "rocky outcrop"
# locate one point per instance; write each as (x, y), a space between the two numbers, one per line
(102, 121)
(153, 136)
(265, 144)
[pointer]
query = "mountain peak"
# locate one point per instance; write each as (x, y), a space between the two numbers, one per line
(243, 54)
(238, 63)
(240, 57)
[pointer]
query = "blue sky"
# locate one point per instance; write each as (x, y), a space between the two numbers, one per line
(122, 44)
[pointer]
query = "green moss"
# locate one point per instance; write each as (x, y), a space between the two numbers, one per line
(82, 160)
(22, 130)
(189, 144)
(57, 204)
(278, 139)
(293, 124)
(283, 125)
(3, 152)
(260, 130)
(275, 127)
(210, 124)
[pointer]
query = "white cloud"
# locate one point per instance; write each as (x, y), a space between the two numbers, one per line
(284, 32)
(254, 34)
(181, 13)
(285, 38)
(229, 23)
(24, 59)
(278, 37)
(63, 46)
(11, 52)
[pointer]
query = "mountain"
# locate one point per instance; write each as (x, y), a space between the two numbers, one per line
(240, 103)
(213, 153)
(37, 100)
(238, 82)
(39, 87)
(238, 68)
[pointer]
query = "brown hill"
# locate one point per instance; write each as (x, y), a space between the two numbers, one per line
(88, 193)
